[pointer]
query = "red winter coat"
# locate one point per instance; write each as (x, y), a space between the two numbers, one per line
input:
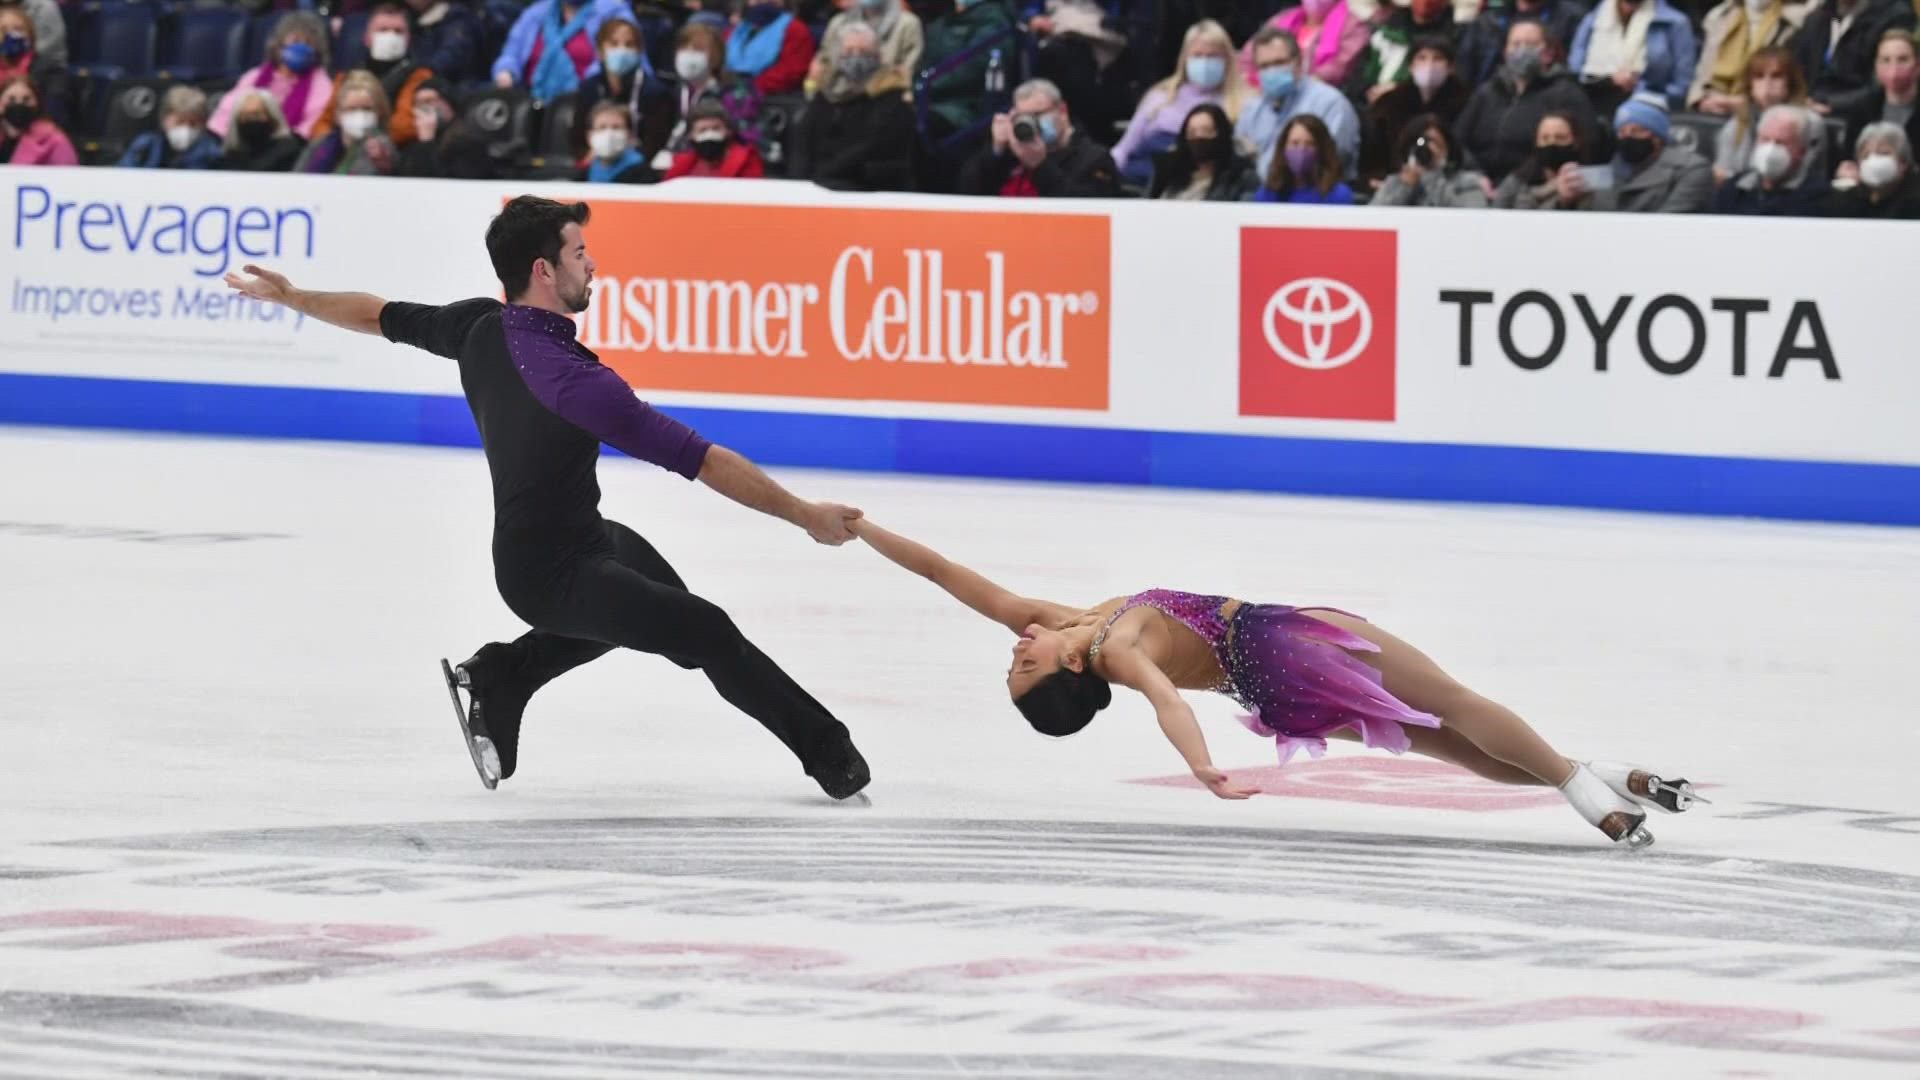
(742, 162)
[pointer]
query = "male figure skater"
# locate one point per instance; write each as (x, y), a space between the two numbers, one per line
(544, 404)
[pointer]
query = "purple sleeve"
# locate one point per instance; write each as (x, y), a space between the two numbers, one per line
(595, 399)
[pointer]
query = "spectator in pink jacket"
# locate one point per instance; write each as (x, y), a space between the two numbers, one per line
(1330, 34)
(294, 71)
(27, 137)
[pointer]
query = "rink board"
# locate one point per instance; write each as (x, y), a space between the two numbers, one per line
(1401, 354)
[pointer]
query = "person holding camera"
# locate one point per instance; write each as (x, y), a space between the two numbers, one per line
(1430, 171)
(1036, 152)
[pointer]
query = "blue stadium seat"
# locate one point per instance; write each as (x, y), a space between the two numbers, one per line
(257, 34)
(116, 39)
(206, 43)
(350, 43)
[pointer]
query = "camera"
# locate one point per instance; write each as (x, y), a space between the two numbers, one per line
(1423, 152)
(1025, 130)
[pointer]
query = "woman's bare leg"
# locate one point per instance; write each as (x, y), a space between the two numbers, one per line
(1492, 728)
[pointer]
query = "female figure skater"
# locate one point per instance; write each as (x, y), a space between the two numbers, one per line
(1302, 673)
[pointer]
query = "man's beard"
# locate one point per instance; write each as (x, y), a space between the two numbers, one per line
(578, 302)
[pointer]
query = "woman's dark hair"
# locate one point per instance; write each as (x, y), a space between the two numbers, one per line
(1530, 168)
(526, 229)
(1180, 162)
(1326, 154)
(1064, 702)
(1416, 129)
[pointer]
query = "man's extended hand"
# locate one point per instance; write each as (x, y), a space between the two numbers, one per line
(263, 285)
(829, 523)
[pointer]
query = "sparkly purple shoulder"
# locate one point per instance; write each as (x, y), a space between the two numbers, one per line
(1295, 675)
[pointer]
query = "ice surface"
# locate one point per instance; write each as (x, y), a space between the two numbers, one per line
(239, 835)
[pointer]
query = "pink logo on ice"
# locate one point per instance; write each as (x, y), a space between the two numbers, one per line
(1429, 785)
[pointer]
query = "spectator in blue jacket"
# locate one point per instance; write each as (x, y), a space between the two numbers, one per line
(182, 141)
(1636, 46)
(447, 39)
(550, 49)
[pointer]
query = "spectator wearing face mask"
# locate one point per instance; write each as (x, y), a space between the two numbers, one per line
(1326, 32)
(714, 148)
(1204, 164)
(612, 157)
(1549, 178)
(447, 147)
(700, 64)
(1880, 182)
(1483, 45)
(295, 73)
(259, 139)
(1498, 125)
(1733, 32)
(1307, 169)
(1431, 89)
(549, 51)
(1836, 49)
(20, 56)
(903, 40)
(1628, 46)
(448, 40)
(1431, 172)
(27, 135)
(387, 39)
(1035, 151)
(360, 146)
(1773, 78)
(1781, 180)
(182, 141)
(1651, 175)
(1896, 69)
(626, 78)
(1398, 33)
(858, 135)
(1286, 92)
(1208, 74)
(771, 47)
(49, 30)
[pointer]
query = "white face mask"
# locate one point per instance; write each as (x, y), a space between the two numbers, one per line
(1879, 170)
(180, 136)
(358, 124)
(608, 143)
(387, 46)
(1428, 77)
(1772, 160)
(691, 64)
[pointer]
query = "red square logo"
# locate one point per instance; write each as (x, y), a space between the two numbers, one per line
(1317, 322)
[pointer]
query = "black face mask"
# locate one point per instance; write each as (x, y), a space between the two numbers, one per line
(1551, 158)
(1635, 150)
(20, 114)
(1205, 149)
(255, 133)
(710, 150)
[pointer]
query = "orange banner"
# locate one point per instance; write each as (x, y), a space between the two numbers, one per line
(819, 302)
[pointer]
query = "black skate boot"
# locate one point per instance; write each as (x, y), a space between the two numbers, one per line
(838, 767)
(491, 718)
(1673, 796)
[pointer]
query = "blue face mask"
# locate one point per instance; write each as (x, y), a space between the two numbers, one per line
(1049, 129)
(299, 57)
(14, 46)
(1276, 82)
(1206, 72)
(621, 62)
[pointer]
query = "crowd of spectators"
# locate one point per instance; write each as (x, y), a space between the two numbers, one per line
(1743, 107)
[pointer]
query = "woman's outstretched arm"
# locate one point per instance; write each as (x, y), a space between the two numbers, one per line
(1014, 612)
(1123, 662)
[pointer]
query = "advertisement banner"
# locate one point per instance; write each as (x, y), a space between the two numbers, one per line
(861, 304)
(1318, 318)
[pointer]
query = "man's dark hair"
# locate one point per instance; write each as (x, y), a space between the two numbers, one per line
(389, 7)
(528, 228)
(1064, 702)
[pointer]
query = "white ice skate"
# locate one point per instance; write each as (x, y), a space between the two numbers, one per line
(1647, 789)
(1605, 809)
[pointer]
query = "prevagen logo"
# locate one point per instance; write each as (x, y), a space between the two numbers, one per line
(213, 237)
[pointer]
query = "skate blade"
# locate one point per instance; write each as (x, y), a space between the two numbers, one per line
(1681, 793)
(486, 760)
(1637, 839)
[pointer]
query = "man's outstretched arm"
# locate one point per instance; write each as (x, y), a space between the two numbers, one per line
(741, 480)
(347, 310)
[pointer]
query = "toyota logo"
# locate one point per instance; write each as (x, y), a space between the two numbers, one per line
(1317, 307)
(139, 102)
